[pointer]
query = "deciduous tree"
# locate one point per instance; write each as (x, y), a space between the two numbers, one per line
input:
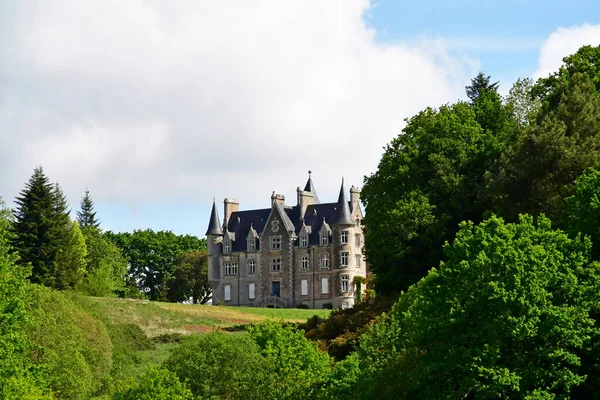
(509, 315)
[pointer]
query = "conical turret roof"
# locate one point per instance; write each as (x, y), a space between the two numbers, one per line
(214, 227)
(310, 187)
(343, 217)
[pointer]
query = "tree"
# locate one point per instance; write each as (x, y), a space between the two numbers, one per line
(19, 378)
(71, 260)
(87, 216)
(190, 279)
(106, 266)
(152, 257)
(511, 314)
(541, 169)
(583, 212)
(430, 178)
(41, 228)
(586, 62)
(479, 85)
(524, 104)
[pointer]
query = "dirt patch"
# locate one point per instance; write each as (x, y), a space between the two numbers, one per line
(199, 328)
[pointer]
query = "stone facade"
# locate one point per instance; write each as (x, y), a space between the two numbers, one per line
(286, 256)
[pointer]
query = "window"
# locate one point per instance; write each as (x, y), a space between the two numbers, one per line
(324, 261)
(345, 283)
(226, 248)
(276, 264)
(357, 239)
(304, 287)
(304, 262)
(303, 241)
(324, 239)
(227, 292)
(230, 268)
(251, 291)
(344, 258)
(324, 285)
(357, 222)
(275, 242)
(251, 245)
(344, 237)
(251, 266)
(357, 260)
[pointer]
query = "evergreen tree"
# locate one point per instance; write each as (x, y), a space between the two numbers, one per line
(71, 260)
(41, 227)
(480, 84)
(87, 216)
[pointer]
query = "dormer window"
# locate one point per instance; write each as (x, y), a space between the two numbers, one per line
(324, 239)
(303, 241)
(251, 245)
(226, 248)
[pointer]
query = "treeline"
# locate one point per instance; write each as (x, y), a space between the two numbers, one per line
(77, 255)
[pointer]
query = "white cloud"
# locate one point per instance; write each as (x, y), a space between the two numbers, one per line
(564, 42)
(143, 100)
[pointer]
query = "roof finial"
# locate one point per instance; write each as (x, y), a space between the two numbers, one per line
(309, 173)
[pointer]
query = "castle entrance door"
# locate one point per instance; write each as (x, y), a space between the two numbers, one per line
(276, 289)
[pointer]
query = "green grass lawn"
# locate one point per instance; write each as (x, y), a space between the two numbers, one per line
(156, 318)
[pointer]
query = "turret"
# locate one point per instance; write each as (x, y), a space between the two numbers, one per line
(214, 236)
(343, 217)
(310, 187)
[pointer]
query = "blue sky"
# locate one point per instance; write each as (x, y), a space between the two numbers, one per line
(156, 108)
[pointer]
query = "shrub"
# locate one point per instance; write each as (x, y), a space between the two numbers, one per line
(227, 366)
(73, 347)
(300, 367)
(156, 384)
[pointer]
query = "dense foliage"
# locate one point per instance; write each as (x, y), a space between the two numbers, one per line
(466, 160)
(190, 279)
(153, 258)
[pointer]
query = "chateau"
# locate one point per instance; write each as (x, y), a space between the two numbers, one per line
(287, 256)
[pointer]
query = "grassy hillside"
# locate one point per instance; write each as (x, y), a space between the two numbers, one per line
(156, 318)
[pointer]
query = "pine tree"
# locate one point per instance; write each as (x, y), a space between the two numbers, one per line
(41, 228)
(479, 84)
(87, 216)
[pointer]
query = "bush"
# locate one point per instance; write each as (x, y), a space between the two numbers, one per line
(74, 348)
(156, 384)
(226, 366)
(300, 367)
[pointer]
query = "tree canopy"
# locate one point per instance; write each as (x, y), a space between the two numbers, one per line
(153, 257)
(511, 314)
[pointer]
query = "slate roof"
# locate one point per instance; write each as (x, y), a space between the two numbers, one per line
(214, 226)
(310, 187)
(240, 222)
(343, 217)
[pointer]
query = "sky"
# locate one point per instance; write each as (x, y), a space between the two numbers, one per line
(158, 107)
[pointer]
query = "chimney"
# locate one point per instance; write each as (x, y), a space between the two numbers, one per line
(354, 197)
(305, 199)
(231, 206)
(277, 198)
